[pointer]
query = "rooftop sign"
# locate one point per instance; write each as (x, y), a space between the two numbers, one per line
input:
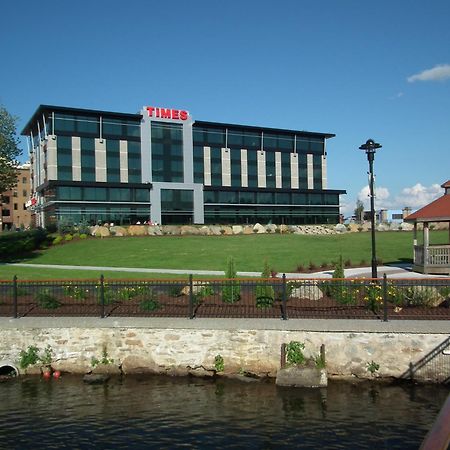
(166, 113)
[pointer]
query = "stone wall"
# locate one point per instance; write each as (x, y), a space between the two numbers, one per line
(219, 230)
(192, 351)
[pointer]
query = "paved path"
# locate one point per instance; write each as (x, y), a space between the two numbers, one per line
(364, 272)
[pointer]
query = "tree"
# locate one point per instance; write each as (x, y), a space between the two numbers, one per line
(9, 150)
(359, 210)
(231, 291)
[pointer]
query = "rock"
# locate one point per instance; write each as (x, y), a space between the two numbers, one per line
(93, 230)
(248, 229)
(307, 291)
(106, 369)
(228, 231)
(172, 230)
(200, 372)
(340, 228)
(243, 378)
(382, 227)
(118, 231)
(238, 229)
(91, 378)
(204, 231)
(423, 296)
(137, 230)
(259, 229)
(406, 226)
(353, 227)
(295, 229)
(189, 230)
(215, 230)
(271, 228)
(134, 364)
(154, 230)
(196, 288)
(302, 376)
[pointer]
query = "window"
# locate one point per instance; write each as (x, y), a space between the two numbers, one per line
(24, 180)
(15, 194)
(15, 206)
(24, 193)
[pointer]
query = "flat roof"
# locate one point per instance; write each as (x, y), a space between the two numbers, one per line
(65, 109)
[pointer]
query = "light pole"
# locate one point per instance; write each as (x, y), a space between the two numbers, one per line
(370, 148)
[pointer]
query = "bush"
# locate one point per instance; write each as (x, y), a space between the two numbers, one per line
(65, 226)
(294, 353)
(265, 294)
(83, 236)
(83, 227)
(423, 296)
(231, 291)
(45, 299)
(68, 237)
(57, 240)
(21, 242)
(149, 305)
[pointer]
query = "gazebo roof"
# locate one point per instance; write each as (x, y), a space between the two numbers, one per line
(436, 211)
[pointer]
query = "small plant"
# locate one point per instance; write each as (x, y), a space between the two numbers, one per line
(104, 359)
(68, 237)
(83, 236)
(319, 361)
(265, 294)
(348, 263)
(149, 305)
(300, 268)
(203, 291)
(312, 267)
(75, 292)
(374, 297)
(57, 240)
(47, 358)
(45, 299)
(294, 353)
(231, 291)
(28, 357)
(219, 363)
(372, 367)
(174, 291)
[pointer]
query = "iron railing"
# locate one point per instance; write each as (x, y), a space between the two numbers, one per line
(382, 299)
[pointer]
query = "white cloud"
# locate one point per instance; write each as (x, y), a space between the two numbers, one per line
(438, 73)
(381, 197)
(418, 196)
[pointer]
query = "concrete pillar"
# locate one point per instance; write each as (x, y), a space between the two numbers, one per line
(426, 241)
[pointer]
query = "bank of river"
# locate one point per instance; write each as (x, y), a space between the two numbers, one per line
(173, 412)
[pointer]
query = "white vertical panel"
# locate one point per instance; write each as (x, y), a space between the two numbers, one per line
(261, 164)
(294, 171)
(100, 160)
(226, 167)
(207, 165)
(52, 159)
(310, 171)
(76, 158)
(244, 168)
(123, 158)
(278, 181)
(42, 162)
(324, 172)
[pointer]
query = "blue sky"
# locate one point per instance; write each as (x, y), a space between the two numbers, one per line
(358, 69)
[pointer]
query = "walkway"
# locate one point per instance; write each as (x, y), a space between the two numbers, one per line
(362, 272)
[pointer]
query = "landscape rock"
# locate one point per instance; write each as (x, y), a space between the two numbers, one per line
(340, 228)
(406, 226)
(271, 228)
(139, 365)
(228, 231)
(238, 229)
(137, 230)
(154, 230)
(171, 230)
(91, 378)
(106, 369)
(306, 291)
(259, 229)
(248, 229)
(118, 231)
(189, 230)
(215, 230)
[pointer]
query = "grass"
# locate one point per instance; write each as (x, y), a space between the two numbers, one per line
(283, 252)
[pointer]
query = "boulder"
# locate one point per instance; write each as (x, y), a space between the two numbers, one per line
(215, 230)
(196, 288)
(271, 228)
(248, 229)
(238, 229)
(259, 229)
(102, 232)
(93, 230)
(228, 231)
(340, 228)
(135, 364)
(204, 231)
(154, 230)
(302, 376)
(353, 227)
(137, 230)
(118, 231)
(406, 226)
(171, 230)
(382, 227)
(189, 230)
(306, 291)
(91, 378)
(106, 369)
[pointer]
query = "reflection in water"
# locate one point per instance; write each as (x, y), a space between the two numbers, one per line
(161, 412)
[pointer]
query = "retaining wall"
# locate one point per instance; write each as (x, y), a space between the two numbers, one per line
(181, 351)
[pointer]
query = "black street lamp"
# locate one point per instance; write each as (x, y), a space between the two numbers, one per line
(370, 148)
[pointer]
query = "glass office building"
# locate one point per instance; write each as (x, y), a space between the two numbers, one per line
(162, 166)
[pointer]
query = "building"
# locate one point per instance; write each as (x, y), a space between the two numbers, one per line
(14, 213)
(162, 166)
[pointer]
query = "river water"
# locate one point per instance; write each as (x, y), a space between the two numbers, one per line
(169, 413)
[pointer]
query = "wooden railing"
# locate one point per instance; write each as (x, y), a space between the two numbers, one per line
(436, 255)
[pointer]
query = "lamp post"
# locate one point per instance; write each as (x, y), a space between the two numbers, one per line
(370, 147)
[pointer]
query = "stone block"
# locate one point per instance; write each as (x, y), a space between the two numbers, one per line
(137, 230)
(215, 230)
(118, 231)
(259, 229)
(302, 376)
(271, 228)
(139, 364)
(340, 228)
(248, 229)
(306, 291)
(227, 231)
(238, 229)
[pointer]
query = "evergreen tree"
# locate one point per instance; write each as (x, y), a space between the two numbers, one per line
(231, 291)
(265, 294)
(9, 150)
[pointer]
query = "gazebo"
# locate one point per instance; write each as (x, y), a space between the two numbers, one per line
(432, 258)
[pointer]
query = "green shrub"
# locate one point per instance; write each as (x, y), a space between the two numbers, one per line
(150, 304)
(265, 294)
(294, 353)
(83, 227)
(83, 236)
(28, 357)
(231, 290)
(422, 296)
(75, 292)
(65, 226)
(21, 242)
(45, 299)
(57, 240)
(219, 364)
(68, 237)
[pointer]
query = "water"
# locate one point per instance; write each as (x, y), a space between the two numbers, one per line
(170, 413)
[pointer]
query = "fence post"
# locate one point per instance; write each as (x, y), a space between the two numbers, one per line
(385, 308)
(283, 356)
(15, 296)
(191, 297)
(102, 294)
(283, 299)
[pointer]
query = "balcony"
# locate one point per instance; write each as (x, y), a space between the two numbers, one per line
(433, 259)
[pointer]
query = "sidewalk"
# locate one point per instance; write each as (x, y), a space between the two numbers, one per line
(362, 272)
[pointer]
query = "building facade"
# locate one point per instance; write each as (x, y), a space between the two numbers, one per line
(14, 214)
(164, 167)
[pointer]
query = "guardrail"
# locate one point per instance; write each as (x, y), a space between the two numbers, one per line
(379, 299)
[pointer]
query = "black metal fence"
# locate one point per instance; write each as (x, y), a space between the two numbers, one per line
(382, 299)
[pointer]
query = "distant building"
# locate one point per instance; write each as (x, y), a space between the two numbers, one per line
(13, 213)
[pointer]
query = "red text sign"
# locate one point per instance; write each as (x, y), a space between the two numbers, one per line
(167, 113)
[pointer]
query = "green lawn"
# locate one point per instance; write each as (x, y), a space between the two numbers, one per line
(283, 252)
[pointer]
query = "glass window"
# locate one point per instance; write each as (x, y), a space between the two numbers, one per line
(228, 197)
(94, 193)
(112, 127)
(282, 198)
(120, 194)
(247, 197)
(235, 139)
(65, 123)
(142, 195)
(210, 196)
(265, 197)
(69, 193)
(88, 125)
